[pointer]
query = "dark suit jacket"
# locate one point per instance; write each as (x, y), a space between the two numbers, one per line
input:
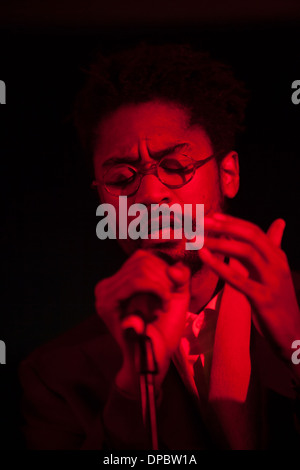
(70, 401)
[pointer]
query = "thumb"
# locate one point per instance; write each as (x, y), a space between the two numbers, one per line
(275, 231)
(179, 273)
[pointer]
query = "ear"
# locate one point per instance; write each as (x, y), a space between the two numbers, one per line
(230, 174)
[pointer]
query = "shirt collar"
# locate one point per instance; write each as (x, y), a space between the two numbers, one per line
(205, 320)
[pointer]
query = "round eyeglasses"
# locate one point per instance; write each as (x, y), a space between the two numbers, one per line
(174, 172)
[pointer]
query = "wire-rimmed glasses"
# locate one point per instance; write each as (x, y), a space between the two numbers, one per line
(123, 179)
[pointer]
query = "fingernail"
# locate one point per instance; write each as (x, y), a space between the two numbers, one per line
(179, 265)
(208, 221)
(177, 269)
(204, 252)
(219, 216)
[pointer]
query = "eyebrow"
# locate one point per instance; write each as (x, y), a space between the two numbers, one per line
(155, 155)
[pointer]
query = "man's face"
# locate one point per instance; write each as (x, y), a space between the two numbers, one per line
(139, 134)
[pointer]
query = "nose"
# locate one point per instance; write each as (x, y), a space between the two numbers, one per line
(152, 191)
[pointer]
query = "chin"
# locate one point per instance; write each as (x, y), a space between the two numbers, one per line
(171, 251)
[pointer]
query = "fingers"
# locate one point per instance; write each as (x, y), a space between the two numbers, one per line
(142, 273)
(244, 252)
(179, 274)
(234, 278)
(275, 231)
(221, 224)
(113, 291)
(260, 253)
(131, 287)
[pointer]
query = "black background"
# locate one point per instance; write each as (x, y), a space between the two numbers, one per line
(51, 257)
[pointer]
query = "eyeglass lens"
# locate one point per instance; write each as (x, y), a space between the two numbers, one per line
(175, 171)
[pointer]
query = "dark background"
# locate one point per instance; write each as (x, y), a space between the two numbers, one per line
(51, 257)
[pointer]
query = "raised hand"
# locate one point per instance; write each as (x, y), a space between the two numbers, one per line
(144, 272)
(268, 286)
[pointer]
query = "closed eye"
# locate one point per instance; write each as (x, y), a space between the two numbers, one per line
(121, 181)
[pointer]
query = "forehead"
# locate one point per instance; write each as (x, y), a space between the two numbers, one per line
(158, 124)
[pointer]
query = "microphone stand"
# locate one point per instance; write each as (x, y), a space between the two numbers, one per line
(138, 309)
(147, 368)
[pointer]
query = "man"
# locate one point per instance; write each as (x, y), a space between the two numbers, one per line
(225, 315)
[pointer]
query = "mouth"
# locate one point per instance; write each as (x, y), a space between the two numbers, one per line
(162, 231)
(163, 225)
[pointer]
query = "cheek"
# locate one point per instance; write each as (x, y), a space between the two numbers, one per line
(121, 212)
(203, 189)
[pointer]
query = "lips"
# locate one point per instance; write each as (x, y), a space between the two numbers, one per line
(162, 222)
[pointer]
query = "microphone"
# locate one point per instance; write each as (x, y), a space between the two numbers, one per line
(137, 312)
(140, 308)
